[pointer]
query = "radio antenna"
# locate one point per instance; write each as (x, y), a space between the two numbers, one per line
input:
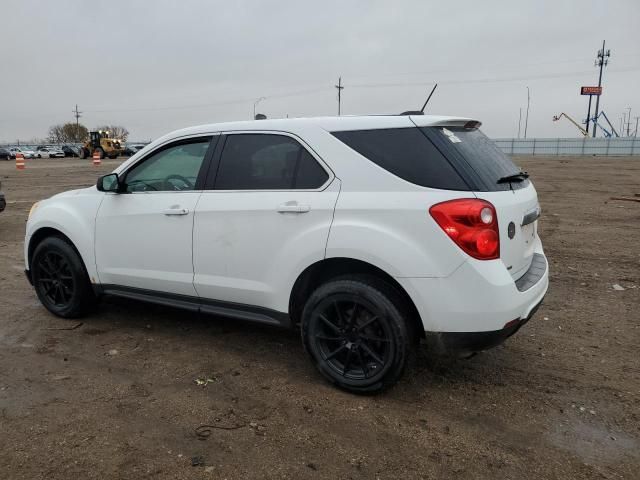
(429, 98)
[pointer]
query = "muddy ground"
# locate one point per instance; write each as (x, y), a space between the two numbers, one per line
(115, 396)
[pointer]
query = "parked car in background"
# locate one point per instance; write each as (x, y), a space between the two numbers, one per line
(128, 151)
(5, 154)
(369, 233)
(132, 149)
(3, 202)
(49, 151)
(27, 152)
(70, 150)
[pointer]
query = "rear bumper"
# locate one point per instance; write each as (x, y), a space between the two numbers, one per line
(479, 297)
(467, 343)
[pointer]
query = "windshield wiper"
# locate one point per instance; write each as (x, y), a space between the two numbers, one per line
(516, 177)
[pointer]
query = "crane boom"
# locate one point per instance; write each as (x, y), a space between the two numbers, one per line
(582, 130)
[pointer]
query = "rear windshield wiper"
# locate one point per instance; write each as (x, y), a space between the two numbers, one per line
(516, 177)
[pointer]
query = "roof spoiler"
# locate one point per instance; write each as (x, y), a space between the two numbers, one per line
(467, 123)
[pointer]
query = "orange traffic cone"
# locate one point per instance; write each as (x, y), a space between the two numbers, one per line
(20, 161)
(96, 159)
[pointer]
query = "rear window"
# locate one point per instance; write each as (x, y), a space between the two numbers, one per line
(477, 157)
(407, 153)
(447, 158)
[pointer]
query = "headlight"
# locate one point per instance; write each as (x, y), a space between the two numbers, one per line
(33, 208)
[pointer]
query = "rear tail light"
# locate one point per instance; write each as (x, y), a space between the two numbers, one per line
(472, 224)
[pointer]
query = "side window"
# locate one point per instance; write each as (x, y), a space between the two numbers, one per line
(310, 174)
(267, 162)
(174, 168)
(406, 153)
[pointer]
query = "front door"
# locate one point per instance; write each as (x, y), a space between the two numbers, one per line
(144, 235)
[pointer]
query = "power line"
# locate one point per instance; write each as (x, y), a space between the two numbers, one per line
(314, 90)
(487, 80)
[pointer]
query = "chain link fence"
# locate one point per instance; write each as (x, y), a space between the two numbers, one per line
(570, 146)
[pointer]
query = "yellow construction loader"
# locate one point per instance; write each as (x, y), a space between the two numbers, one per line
(100, 143)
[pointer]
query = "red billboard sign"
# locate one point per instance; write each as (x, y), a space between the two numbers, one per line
(591, 91)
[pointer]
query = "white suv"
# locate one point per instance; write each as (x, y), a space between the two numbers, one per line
(369, 233)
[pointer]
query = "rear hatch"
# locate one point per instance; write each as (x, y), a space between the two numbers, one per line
(492, 176)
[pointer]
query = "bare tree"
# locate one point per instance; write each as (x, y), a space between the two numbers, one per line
(55, 134)
(115, 131)
(68, 133)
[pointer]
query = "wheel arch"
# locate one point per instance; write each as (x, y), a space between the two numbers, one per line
(322, 271)
(45, 232)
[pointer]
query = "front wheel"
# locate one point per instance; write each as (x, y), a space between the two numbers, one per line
(355, 330)
(60, 279)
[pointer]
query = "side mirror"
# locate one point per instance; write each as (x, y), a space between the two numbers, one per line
(109, 183)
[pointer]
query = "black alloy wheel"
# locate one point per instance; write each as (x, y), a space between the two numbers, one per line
(55, 279)
(60, 279)
(356, 334)
(352, 337)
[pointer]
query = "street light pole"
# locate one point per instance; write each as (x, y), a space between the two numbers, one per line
(526, 121)
(255, 104)
(519, 122)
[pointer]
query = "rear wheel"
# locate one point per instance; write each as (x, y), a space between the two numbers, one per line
(83, 153)
(60, 279)
(355, 330)
(100, 152)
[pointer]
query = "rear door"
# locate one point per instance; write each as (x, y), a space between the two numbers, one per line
(263, 218)
(144, 235)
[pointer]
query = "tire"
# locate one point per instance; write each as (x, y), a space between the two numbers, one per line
(363, 354)
(83, 153)
(100, 152)
(60, 279)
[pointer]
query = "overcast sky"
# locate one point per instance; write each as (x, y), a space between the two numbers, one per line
(155, 66)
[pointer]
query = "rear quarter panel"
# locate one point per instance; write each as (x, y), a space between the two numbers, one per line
(395, 232)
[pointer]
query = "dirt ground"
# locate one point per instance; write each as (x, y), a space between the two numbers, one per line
(115, 396)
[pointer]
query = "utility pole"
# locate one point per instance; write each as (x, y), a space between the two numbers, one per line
(526, 121)
(601, 61)
(628, 121)
(588, 115)
(636, 133)
(519, 122)
(622, 119)
(340, 88)
(77, 114)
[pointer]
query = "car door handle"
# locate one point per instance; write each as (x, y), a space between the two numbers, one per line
(176, 211)
(293, 208)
